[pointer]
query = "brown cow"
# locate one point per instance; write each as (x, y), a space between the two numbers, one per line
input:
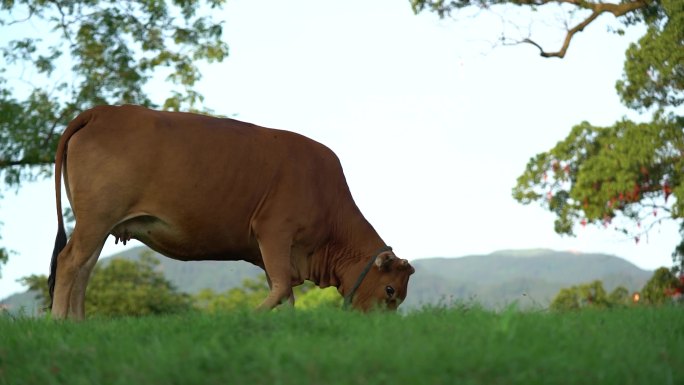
(194, 187)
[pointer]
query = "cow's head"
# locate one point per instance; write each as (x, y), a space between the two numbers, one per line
(385, 285)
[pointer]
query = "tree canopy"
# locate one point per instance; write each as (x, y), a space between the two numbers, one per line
(122, 287)
(133, 288)
(253, 291)
(627, 176)
(60, 57)
(589, 295)
(661, 288)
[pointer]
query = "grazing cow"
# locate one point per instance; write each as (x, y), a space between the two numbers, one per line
(194, 187)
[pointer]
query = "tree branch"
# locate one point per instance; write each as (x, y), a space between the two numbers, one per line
(617, 9)
(17, 21)
(568, 37)
(650, 226)
(63, 24)
(597, 9)
(48, 138)
(5, 163)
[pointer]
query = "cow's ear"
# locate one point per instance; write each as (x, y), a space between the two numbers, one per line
(384, 259)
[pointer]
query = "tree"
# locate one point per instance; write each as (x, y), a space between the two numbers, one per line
(133, 288)
(248, 296)
(86, 53)
(253, 291)
(315, 298)
(124, 288)
(627, 176)
(620, 296)
(661, 287)
(566, 299)
(622, 176)
(581, 296)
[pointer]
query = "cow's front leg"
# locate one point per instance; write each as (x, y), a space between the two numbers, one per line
(290, 299)
(275, 252)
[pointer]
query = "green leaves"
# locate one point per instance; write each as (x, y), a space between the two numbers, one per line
(251, 294)
(254, 291)
(132, 288)
(589, 295)
(597, 173)
(27, 130)
(660, 288)
(654, 67)
(105, 54)
(4, 256)
(444, 8)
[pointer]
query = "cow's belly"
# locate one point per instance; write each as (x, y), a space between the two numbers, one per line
(197, 243)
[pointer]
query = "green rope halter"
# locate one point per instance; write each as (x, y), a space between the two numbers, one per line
(348, 299)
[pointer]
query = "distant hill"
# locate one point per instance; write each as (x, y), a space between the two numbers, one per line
(24, 303)
(531, 277)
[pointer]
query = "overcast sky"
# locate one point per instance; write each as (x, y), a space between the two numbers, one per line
(433, 123)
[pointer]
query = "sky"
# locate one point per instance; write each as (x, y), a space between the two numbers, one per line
(432, 119)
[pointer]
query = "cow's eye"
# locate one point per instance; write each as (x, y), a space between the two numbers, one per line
(389, 290)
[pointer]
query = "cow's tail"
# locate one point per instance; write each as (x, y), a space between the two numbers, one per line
(60, 160)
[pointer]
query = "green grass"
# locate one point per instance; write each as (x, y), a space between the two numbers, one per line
(434, 346)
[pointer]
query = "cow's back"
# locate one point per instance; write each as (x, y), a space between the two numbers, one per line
(201, 183)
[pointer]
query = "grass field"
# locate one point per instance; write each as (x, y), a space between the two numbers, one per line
(329, 346)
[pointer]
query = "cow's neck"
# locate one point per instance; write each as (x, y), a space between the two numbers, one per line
(341, 260)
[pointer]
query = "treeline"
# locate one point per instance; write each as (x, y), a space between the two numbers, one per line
(138, 288)
(663, 287)
(123, 287)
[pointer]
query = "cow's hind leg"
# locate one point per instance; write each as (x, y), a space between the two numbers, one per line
(74, 265)
(275, 252)
(77, 298)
